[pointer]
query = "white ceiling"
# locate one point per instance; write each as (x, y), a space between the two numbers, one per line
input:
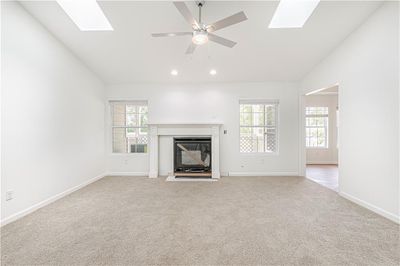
(129, 54)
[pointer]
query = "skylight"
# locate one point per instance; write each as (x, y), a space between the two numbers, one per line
(293, 13)
(86, 14)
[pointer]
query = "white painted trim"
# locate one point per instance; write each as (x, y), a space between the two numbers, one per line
(371, 207)
(142, 174)
(183, 130)
(322, 162)
(46, 202)
(263, 174)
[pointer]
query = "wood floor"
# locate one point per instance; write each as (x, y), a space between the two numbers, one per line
(325, 175)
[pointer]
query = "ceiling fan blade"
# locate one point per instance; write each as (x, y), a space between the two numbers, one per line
(185, 12)
(226, 22)
(171, 34)
(191, 48)
(220, 40)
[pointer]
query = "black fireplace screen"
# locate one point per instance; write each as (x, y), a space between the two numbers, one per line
(192, 155)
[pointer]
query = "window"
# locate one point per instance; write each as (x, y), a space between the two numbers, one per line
(317, 127)
(129, 127)
(258, 126)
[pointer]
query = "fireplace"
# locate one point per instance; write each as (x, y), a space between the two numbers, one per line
(192, 157)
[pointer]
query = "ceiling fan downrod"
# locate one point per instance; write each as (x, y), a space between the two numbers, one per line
(200, 5)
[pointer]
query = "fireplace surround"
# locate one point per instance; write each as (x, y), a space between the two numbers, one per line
(183, 130)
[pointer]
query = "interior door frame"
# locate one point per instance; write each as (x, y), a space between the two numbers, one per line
(302, 123)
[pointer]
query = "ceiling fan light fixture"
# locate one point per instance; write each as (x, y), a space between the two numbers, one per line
(200, 37)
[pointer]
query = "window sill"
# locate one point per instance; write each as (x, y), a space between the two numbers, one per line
(317, 148)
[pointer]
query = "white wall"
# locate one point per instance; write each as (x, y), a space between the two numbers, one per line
(366, 66)
(324, 155)
(52, 115)
(211, 103)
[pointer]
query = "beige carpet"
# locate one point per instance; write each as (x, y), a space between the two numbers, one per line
(238, 220)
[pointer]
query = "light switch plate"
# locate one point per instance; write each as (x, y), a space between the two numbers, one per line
(9, 194)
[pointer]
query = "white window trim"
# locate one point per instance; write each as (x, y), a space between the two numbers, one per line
(277, 126)
(326, 147)
(110, 126)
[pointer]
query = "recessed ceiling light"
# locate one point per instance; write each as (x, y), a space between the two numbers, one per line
(174, 72)
(293, 13)
(87, 15)
(213, 72)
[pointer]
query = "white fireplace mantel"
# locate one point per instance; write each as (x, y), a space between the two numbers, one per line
(183, 129)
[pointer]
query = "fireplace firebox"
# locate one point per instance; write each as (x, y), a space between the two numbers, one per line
(192, 157)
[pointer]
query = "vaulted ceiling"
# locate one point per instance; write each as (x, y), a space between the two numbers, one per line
(129, 54)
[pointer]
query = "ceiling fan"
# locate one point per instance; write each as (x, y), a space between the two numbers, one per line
(203, 32)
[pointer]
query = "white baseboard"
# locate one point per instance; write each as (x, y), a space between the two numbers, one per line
(371, 207)
(45, 202)
(322, 162)
(263, 174)
(145, 174)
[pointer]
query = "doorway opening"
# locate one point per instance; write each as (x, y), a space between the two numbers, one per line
(321, 129)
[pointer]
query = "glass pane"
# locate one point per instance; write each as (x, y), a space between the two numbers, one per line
(246, 139)
(136, 141)
(251, 108)
(131, 109)
(313, 142)
(270, 111)
(312, 121)
(142, 120)
(258, 139)
(143, 109)
(132, 120)
(245, 131)
(314, 132)
(251, 139)
(258, 119)
(320, 121)
(143, 130)
(246, 119)
(310, 110)
(245, 108)
(118, 114)
(321, 142)
(258, 108)
(119, 140)
(321, 133)
(270, 140)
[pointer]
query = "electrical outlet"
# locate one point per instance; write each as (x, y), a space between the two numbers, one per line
(9, 194)
(225, 131)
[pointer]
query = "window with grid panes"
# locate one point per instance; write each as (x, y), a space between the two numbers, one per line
(258, 126)
(129, 127)
(317, 121)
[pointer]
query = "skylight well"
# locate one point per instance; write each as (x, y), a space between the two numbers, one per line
(86, 14)
(293, 13)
